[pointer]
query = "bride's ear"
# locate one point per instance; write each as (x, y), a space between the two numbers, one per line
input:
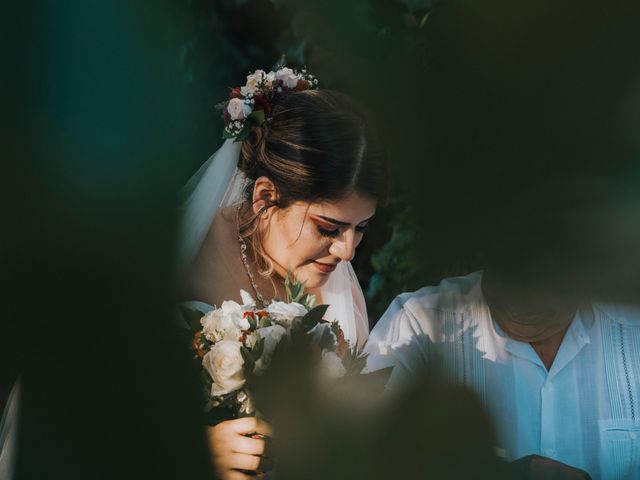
(264, 193)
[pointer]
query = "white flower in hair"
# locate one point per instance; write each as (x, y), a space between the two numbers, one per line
(238, 109)
(255, 79)
(289, 77)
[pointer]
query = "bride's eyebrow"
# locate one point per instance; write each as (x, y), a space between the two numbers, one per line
(339, 222)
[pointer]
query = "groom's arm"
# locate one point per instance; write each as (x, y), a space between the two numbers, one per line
(398, 340)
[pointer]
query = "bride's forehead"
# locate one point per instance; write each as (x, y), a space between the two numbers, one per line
(354, 205)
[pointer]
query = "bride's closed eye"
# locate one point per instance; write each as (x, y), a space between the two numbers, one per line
(325, 232)
(333, 233)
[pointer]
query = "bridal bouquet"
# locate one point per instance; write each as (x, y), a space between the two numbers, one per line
(234, 344)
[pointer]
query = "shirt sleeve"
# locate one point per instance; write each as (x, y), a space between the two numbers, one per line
(398, 340)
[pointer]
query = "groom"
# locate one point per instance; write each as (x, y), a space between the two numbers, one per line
(560, 378)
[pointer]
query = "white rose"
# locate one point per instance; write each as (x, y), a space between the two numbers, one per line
(254, 80)
(224, 364)
(331, 365)
(286, 312)
(272, 336)
(238, 109)
(270, 78)
(289, 79)
(225, 322)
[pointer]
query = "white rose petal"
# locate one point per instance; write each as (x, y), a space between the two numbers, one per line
(286, 312)
(251, 339)
(238, 109)
(270, 78)
(331, 365)
(225, 322)
(255, 79)
(247, 299)
(288, 77)
(224, 364)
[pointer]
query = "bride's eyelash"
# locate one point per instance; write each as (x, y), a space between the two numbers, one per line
(325, 232)
(328, 233)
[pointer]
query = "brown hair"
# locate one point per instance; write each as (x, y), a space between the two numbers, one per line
(314, 146)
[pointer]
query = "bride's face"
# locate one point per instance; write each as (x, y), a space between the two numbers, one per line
(311, 239)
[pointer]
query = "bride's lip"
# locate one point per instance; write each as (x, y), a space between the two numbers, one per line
(325, 267)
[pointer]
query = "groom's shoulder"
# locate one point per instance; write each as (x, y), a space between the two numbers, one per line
(451, 294)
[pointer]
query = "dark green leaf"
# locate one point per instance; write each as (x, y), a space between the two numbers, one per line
(257, 117)
(192, 317)
(253, 324)
(258, 349)
(248, 360)
(314, 316)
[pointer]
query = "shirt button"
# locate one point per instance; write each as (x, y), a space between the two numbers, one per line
(633, 435)
(550, 452)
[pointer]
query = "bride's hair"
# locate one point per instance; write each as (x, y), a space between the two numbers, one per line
(314, 146)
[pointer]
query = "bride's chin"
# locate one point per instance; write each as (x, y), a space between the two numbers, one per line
(313, 280)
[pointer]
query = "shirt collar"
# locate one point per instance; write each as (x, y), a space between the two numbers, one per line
(572, 343)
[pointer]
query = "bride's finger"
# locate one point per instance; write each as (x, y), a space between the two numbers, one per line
(250, 446)
(264, 428)
(252, 463)
(247, 425)
(238, 475)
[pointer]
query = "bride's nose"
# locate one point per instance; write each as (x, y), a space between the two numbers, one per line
(344, 247)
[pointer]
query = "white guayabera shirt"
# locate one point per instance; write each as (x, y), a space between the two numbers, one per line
(584, 411)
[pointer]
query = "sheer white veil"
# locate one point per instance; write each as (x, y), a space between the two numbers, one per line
(219, 183)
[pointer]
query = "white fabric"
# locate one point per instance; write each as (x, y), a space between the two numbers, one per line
(344, 296)
(210, 188)
(585, 411)
(9, 434)
(219, 183)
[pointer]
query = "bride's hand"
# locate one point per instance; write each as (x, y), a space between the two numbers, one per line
(234, 453)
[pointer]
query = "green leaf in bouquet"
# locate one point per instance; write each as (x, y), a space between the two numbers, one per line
(253, 324)
(264, 322)
(354, 361)
(258, 349)
(192, 317)
(222, 105)
(249, 362)
(287, 288)
(335, 328)
(314, 316)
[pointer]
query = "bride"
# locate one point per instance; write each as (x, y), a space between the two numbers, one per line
(292, 189)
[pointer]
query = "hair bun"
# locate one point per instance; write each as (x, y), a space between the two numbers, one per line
(252, 149)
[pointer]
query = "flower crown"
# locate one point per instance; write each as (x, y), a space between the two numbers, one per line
(251, 104)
